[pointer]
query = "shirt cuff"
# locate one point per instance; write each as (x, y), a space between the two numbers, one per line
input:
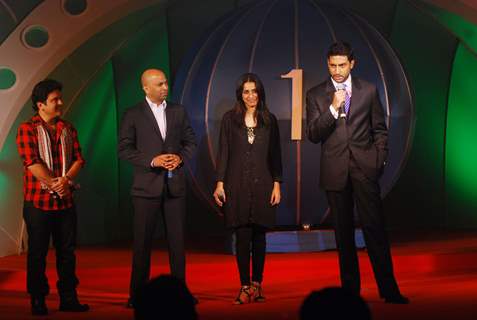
(334, 112)
(31, 161)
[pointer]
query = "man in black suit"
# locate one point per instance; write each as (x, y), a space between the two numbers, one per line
(155, 137)
(345, 115)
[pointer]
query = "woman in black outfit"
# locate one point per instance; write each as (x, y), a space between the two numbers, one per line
(249, 171)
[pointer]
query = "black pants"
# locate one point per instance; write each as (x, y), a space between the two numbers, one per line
(366, 194)
(146, 213)
(61, 226)
(250, 238)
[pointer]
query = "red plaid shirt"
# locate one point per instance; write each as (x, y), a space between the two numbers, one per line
(27, 144)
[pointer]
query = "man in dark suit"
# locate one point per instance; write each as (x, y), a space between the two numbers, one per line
(155, 137)
(345, 115)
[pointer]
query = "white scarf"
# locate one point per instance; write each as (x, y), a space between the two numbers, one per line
(44, 146)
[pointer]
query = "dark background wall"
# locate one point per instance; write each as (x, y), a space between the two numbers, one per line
(435, 47)
(426, 47)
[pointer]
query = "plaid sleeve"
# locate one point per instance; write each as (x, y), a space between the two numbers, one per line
(27, 145)
(76, 147)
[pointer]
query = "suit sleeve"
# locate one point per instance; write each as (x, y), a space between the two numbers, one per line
(127, 149)
(319, 125)
(188, 142)
(275, 153)
(379, 129)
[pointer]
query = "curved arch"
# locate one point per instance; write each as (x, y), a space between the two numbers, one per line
(33, 65)
(212, 74)
(9, 11)
(325, 18)
(378, 64)
(257, 36)
(79, 81)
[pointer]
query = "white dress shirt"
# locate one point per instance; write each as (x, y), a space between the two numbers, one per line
(159, 111)
(338, 86)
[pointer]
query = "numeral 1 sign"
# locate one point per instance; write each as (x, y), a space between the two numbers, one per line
(296, 120)
(297, 101)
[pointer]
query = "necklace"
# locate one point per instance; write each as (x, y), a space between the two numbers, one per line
(250, 135)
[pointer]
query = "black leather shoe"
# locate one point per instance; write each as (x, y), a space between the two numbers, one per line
(397, 299)
(129, 304)
(73, 306)
(38, 306)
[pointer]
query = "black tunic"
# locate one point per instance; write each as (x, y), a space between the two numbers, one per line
(248, 171)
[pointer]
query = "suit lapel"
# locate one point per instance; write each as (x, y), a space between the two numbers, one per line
(150, 116)
(330, 90)
(170, 117)
(356, 95)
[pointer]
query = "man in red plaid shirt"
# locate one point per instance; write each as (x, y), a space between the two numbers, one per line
(51, 154)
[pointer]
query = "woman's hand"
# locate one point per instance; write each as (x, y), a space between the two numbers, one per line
(276, 196)
(219, 194)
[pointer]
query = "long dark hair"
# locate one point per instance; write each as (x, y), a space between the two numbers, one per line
(262, 115)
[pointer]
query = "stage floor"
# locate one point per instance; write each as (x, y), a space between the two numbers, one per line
(440, 278)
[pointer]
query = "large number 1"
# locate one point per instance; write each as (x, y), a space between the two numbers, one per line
(297, 101)
(296, 120)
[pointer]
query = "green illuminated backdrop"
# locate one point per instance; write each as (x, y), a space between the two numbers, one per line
(437, 48)
(461, 140)
(438, 187)
(461, 128)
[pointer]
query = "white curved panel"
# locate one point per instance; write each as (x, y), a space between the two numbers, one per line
(66, 33)
(464, 8)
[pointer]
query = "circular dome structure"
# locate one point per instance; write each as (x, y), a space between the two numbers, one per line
(270, 38)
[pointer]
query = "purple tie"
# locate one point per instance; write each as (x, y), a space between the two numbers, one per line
(347, 100)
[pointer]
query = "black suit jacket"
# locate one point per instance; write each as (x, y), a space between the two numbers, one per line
(140, 141)
(363, 133)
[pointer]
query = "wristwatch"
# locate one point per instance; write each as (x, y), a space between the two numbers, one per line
(70, 181)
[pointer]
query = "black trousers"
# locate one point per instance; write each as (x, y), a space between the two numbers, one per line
(147, 211)
(366, 194)
(250, 238)
(61, 226)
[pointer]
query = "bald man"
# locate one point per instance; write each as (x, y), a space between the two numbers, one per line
(156, 138)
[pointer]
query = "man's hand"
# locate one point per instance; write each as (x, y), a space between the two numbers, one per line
(174, 162)
(61, 185)
(339, 98)
(161, 161)
(167, 161)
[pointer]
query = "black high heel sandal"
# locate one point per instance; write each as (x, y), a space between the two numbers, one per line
(243, 295)
(257, 294)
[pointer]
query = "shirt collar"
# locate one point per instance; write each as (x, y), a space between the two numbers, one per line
(347, 83)
(153, 105)
(37, 120)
